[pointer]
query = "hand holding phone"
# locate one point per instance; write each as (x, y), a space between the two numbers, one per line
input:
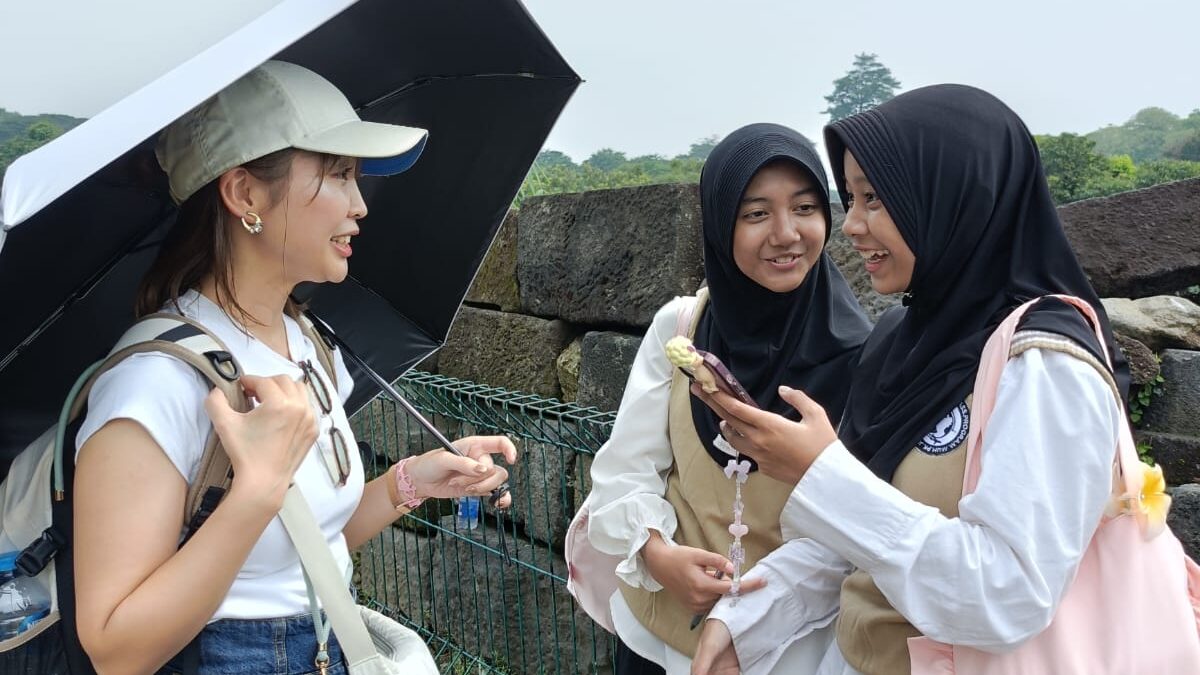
(705, 369)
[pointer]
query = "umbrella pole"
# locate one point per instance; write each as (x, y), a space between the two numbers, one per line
(391, 391)
(387, 387)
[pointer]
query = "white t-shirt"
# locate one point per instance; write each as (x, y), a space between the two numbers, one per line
(166, 396)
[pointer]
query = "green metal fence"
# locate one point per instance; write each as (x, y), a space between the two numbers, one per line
(450, 582)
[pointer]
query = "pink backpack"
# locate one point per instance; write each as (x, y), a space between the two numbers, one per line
(1134, 605)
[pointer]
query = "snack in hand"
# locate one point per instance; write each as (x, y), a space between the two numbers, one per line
(683, 355)
(705, 368)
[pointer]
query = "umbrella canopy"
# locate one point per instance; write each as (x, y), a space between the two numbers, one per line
(83, 216)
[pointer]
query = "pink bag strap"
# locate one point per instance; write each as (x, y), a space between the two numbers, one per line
(684, 320)
(987, 380)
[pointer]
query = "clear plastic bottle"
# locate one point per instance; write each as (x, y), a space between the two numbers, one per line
(23, 601)
(468, 513)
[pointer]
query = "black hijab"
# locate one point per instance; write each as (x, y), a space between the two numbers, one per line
(807, 338)
(961, 177)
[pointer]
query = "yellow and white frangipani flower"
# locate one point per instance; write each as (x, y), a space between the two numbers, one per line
(1154, 502)
(1149, 507)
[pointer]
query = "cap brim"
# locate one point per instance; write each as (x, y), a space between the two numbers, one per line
(390, 166)
(385, 149)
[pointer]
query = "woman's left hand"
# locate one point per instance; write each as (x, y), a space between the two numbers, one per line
(440, 473)
(784, 449)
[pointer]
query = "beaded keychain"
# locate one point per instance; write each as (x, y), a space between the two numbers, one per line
(737, 555)
(699, 366)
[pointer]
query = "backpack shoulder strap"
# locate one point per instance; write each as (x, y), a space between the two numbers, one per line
(689, 314)
(192, 343)
(325, 350)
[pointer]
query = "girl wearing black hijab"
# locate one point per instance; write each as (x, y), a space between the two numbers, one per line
(776, 311)
(947, 203)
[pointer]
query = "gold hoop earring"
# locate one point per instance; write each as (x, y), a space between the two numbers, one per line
(253, 228)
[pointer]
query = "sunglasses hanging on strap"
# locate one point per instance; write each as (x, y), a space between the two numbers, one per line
(332, 339)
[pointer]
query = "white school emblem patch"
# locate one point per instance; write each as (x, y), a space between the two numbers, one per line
(949, 433)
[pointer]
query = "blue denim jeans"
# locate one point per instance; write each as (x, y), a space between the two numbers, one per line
(284, 646)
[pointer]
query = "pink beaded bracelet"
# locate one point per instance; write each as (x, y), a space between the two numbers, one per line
(404, 496)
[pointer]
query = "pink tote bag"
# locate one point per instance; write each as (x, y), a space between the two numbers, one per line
(1134, 605)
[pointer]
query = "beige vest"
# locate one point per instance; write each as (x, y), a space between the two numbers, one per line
(872, 636)
(703, 501)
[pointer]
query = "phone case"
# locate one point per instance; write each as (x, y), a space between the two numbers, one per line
(725, 379)
(705, 368)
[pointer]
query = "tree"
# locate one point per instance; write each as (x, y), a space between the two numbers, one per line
(867, 84)
(551, 158)
(554, 178)
(1116, 174)
(1153, 119)
(702, 148)
(14, 125)
(605, 159)
(1166, 171)
(1143, 137)
(1070, 164)
(35, 136)
(1191, 122)
(1183, 144)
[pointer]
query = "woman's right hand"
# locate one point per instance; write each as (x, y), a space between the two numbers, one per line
(689, 573)
(267, 444)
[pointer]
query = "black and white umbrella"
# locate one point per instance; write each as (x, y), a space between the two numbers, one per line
(82, 217)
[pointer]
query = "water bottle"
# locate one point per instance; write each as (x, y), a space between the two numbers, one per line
(468, 513)
(23, 601)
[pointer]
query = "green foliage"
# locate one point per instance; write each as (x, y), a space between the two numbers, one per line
(1117, 174)
(1122, 168)
(35, 136)
(703, 147)
(1144, 397)
(1071, 165)
(551, 158)
(1183, 144)
(605, 159)
(1165, 171)
(1075, 170)
(867, 84)
(554, 173)
(1145, 453)
(13, 124)
(1154, 146)
(1152, 133)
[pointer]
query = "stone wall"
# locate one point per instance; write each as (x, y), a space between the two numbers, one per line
(564, 296)
(563, 299)
(573, 281)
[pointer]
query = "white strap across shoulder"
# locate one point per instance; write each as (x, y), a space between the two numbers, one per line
(327, 580)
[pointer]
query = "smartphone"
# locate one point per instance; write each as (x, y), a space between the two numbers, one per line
(726, 382)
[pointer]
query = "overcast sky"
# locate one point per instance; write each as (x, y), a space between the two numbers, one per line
(661, 74)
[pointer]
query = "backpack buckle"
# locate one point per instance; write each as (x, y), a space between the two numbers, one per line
(36, 556)
(224, 364)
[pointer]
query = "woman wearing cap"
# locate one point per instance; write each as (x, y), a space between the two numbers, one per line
(265, 174)
(947, 203)
(776, 310)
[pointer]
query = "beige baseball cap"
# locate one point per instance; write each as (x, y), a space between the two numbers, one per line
(278, 105)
